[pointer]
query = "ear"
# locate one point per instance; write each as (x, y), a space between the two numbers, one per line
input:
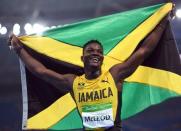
(103, 59)
(82, 59)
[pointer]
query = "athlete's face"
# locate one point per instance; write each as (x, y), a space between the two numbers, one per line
(93, 55)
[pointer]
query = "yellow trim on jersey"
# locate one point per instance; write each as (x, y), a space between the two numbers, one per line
(54, 113)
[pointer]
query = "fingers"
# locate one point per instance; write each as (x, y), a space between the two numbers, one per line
(9, 40)
(173, 12)
(11, 47)
(13, 42)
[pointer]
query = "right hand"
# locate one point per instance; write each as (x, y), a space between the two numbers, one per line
(169, 16)
(14, 43)
(173, 12)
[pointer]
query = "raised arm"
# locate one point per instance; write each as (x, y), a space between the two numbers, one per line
(58, 80)
(125, 69)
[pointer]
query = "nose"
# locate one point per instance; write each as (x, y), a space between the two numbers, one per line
(95, 52)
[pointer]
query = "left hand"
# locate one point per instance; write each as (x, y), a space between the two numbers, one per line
(14, 43)
(173, 12)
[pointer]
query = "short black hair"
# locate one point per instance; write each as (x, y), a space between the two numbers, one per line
(90, 42)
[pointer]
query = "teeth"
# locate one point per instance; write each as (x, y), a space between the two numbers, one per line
(96, 59)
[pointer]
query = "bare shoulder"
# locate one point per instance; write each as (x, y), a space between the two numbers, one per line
(115, 74)
(66, 82)
(60, 81)
(116, 70)
(70, 78)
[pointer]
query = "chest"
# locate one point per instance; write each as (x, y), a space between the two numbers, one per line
(96, 101)
(89, 91)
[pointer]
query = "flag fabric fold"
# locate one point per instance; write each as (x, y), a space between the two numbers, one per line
(60, 49)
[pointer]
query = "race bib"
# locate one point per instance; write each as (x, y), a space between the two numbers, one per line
(96, 116)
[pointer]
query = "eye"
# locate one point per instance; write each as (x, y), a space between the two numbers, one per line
(89, 50)
(100, 51)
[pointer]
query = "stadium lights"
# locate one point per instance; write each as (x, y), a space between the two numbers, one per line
(46, 28)
(38, 28)
(28, 28)
(16, 29)
(178, 13)
(52, 27)
(3, 30)
(35, 28)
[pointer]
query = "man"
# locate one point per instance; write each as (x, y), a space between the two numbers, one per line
(97, 92)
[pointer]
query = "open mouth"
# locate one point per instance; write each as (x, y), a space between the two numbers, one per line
(94, 59)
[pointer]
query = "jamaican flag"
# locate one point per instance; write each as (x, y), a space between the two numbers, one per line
(60, 49)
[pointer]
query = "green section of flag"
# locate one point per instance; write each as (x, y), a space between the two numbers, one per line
(96, 107)
(109, 30)
(144, 96)
(71, 121)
